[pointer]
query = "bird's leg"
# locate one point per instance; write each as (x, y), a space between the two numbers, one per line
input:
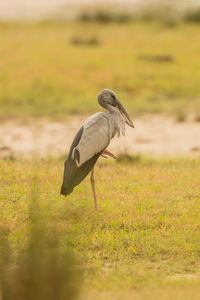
(105, 154)
(108, 153)
(93, 187)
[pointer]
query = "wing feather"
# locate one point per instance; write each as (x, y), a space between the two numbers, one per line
(93, 137)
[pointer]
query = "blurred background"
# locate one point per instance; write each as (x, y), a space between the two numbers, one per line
(57, 55)
(28, 9)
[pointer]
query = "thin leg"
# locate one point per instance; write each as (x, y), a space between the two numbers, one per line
(93, 187)
(108, 153)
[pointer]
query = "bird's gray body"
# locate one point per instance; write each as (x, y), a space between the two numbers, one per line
(90, 141)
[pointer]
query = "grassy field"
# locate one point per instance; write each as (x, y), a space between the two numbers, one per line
(142, 243)
(55, 70)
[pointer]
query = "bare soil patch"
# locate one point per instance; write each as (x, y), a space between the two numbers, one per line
(152, 135)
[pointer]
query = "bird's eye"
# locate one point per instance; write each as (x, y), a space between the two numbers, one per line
(114, 100)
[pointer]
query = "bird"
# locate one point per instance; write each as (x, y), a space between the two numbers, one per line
(91, 142)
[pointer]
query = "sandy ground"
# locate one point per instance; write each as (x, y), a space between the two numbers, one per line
(152, 135)
(37, 9)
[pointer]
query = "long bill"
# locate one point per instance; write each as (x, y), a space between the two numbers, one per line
(125, 114)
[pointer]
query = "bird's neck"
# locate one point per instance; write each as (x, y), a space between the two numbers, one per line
(119, 122)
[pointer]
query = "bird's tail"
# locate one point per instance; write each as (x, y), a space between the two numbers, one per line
(65, 191)
(67, 186)
(73, 175)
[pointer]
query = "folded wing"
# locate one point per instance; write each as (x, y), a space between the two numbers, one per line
(90, 141)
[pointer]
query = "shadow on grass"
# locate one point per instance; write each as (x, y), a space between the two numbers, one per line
(192, 15)
(125, 158)
(105, 16)
(85, 41)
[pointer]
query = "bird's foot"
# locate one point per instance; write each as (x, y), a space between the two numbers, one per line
(107, 154)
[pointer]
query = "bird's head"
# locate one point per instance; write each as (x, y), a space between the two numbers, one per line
(108, 100)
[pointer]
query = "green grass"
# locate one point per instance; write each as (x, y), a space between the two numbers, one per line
(143, 240)
(45, 73)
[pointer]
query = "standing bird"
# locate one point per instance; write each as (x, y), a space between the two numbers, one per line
(91, 141)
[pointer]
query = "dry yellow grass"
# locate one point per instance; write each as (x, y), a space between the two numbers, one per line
(143, 240)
